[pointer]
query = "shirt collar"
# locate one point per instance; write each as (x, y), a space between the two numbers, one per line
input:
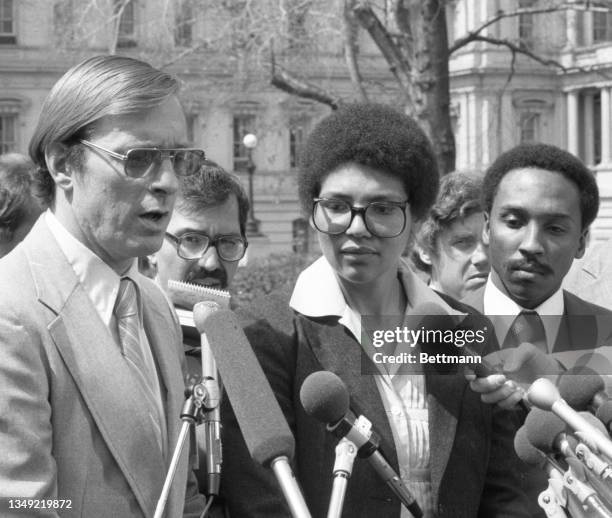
(496, 303)
(317, 294)
(100, 281)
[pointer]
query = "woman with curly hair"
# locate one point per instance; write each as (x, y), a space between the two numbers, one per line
(369, 173)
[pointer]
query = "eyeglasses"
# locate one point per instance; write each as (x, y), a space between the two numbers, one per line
(381, 218)
(138, 162)
(194, 245)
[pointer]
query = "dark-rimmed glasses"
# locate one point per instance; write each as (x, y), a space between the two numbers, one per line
(194, 245)
(381, 218)
(139, 161)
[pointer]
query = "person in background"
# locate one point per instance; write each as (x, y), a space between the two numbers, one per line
(369, 173)
(92, 386)
(203, 244)
(19, 204)
(449, 242)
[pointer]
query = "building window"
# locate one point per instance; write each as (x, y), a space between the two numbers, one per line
(8, 132)
(602, 22)
(526, 25)
(297, 135)
(529, 127)
(192, 119)
(184, 22)
(243, 123)
(126, 31)
(7, 22)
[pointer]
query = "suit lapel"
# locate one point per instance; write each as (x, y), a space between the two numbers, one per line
(99, 371)
(444, 399)
(338, 352)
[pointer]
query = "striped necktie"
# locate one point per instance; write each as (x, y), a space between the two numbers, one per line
(128, 325)
(527, 327)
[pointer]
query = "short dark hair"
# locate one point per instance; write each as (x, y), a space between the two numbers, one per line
(18, 195)
(376, 136)
(459, 197)
(95, 88)
(550, 158)
(212, 185)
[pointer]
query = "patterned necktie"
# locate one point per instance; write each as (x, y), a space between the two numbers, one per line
(527, 327)
(128, 326)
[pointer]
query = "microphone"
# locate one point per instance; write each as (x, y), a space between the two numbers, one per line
(554, 497)
(325, 397)
(185, 295)
(545, 395)
(263, 426)
(576, 481)
(547, 433)
(584, 389)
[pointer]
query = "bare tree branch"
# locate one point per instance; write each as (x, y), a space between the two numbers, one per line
(473, 35)
(287, 82)
(378, 32)
(351, 50)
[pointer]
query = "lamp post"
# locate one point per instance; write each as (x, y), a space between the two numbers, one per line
(252, 224)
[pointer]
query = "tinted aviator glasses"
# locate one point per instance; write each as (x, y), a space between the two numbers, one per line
(381, 218)
(194, 245)
(139, 161)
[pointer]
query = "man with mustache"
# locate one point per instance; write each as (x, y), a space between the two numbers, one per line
(539, 202)
(206, 237)
(203, 244)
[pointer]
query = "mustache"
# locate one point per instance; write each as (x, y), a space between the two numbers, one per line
(529, 265)
(203, 273)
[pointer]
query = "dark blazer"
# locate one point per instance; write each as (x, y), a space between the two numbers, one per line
(584, 326)
(71, 424)
(473, 470)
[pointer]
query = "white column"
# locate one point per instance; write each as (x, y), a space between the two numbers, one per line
(486, 130)
(472, 128)
(570, 29)
(605, 125)
(572, 122)
(589, 130)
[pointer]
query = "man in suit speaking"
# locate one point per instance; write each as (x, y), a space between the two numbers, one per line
(91, 357)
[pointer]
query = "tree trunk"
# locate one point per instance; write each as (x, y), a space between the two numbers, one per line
(431, 77)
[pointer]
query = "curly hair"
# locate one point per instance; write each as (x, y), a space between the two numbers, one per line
(459, 197)
(550, 158)
(376, 136)
(211, 186)
(18, 196)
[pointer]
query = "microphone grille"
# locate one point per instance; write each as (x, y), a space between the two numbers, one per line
(324, 397)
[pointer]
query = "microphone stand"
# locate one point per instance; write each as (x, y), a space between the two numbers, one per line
(346, 451)
(191, 414)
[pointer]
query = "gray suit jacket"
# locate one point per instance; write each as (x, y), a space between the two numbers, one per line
(71, 425)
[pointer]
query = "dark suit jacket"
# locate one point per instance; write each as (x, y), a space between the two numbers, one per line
(584, 326)
(71, 424)
(473, 469)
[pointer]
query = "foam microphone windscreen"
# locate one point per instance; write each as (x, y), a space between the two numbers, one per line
(543, 427)
(604, 413)
(261, 420)
(324, 397)
(526, 451)
(578, 385)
